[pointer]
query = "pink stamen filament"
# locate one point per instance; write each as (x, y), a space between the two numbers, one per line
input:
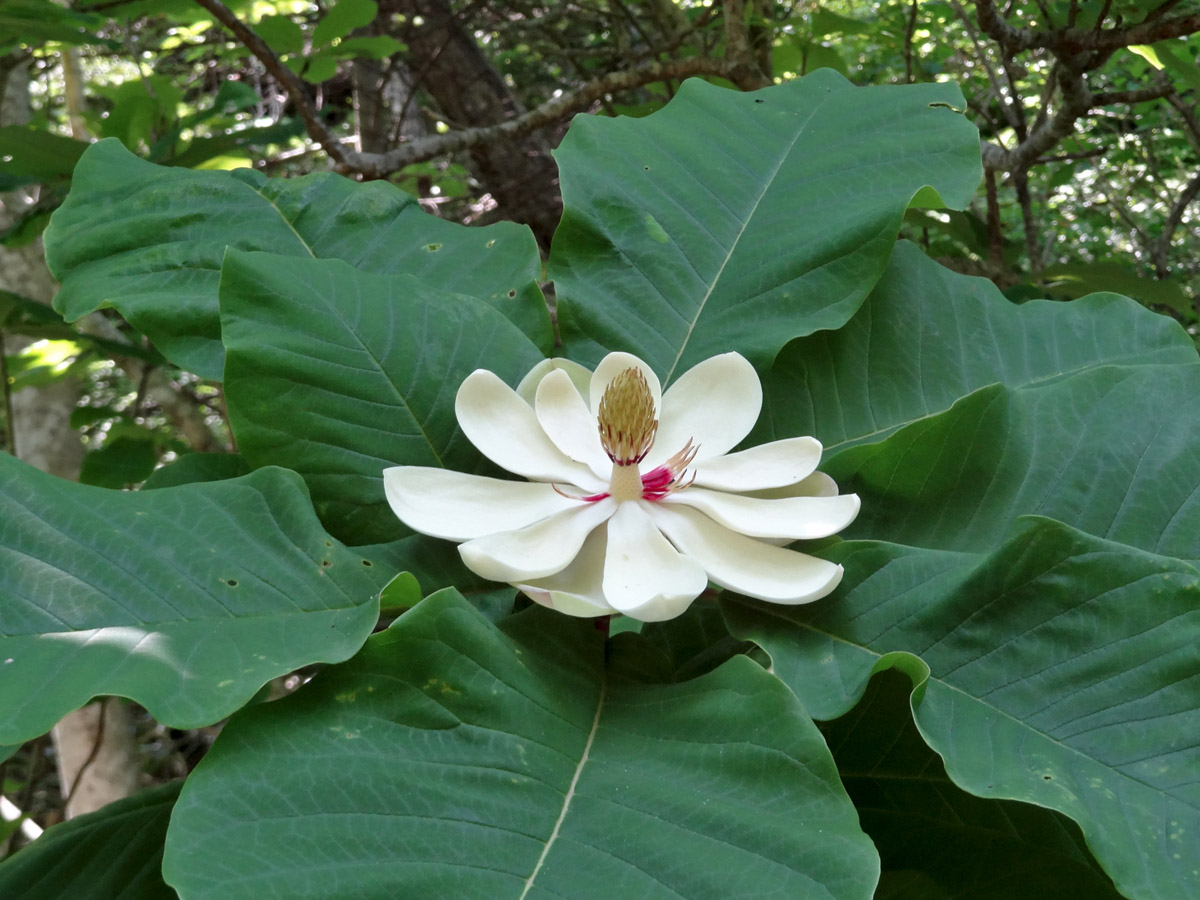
(659, 481)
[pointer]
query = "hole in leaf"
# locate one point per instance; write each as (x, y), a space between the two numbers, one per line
(512, 293)
(367, 563)
(232, 582)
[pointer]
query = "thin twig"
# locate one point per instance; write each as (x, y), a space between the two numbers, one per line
(91, 757)
(378, 165)
(909, 31)
(317, 129)
(10, 432)
(1073, 40)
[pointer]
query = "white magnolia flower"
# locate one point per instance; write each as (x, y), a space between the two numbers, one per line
(634, 502)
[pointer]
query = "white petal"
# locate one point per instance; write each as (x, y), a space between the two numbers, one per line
(714, 404)
(506, 431)
(578, 589)
(644, 576)
(538, 550)
(794, 518)
(459, 507)
(612, 366)
(580, 376)
(818, 484)
(568, 422)
(770, 465)
(742, 564)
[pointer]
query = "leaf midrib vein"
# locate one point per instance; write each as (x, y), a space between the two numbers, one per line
(570, 795)
(767, 182)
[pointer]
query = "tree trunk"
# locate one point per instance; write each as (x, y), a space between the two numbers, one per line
(444, 60)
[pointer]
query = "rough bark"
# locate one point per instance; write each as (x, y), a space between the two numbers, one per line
(445, 61)
(98, 759)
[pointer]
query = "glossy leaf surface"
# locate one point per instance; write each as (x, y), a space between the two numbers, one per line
(149, 240)
(115, 852)
(338, 374)
(457, 758)
(1026, 552)
(185, 599)
(732, 220)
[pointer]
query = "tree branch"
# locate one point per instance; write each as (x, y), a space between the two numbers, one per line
(1076, 101)
(376, 165)
(1107, 98)
(285, 76)
(735, 68)
(1070, 41)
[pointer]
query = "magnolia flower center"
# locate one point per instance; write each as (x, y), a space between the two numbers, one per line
(626, 418)
(627, 430)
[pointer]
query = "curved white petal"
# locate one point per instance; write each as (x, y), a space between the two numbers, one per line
(580, 376)
(714, 404)
(794, 518)
(506, 431)
(770, 465)
(612, 366)
(644, 576)
(742, 564)
(568, 422)
(537, 550)
(578, 589)
(818, 484)
(459, 507)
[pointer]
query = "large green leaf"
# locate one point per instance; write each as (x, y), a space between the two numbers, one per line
(1111, 451)
(149, 240)
(740, 221)
(454, 758)
(936, 841)
(927, 337)
(338, 374)
(185, 599)
(113, 853)
(1029, 533)
(1059, 669)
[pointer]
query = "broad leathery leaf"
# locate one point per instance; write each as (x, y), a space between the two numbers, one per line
(456, 758)
(926, 337)
(149, 240)
(1058, 669)
(1110, 450)
(738, 221)
(339, 374)
(937, 841)
(1054, 663)
(185, 599)
(115, 852)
